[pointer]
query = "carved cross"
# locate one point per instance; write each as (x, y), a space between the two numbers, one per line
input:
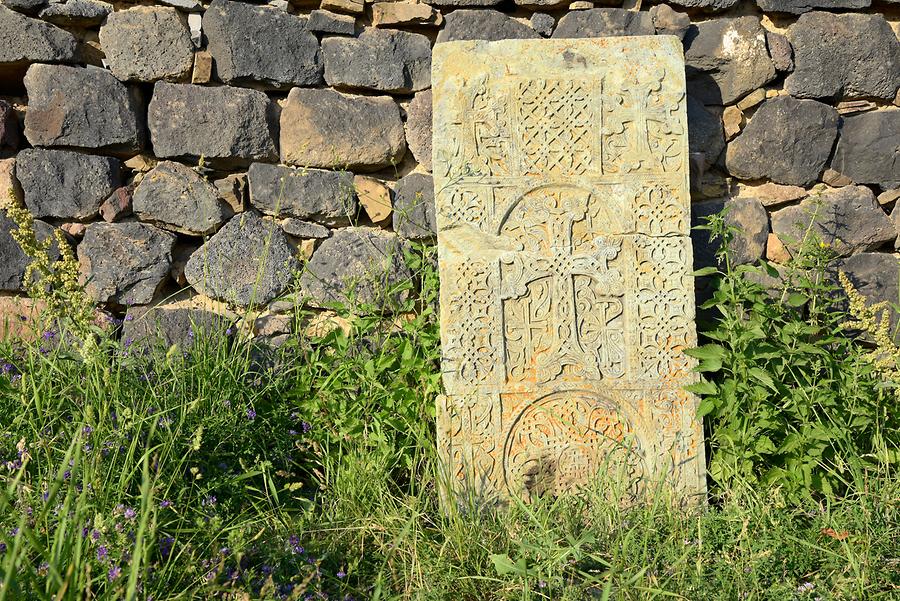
(562, 264)
(640, 105)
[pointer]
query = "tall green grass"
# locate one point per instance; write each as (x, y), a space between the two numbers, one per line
(230, 471)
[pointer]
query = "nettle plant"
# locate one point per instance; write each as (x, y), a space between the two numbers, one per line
(790, 397)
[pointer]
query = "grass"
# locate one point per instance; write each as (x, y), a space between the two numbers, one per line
(309, 471)
(213, 475)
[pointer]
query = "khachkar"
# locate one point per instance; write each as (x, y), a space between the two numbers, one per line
(561, 179)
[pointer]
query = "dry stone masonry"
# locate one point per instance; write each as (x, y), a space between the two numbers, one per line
(180, 144)
(564, 257)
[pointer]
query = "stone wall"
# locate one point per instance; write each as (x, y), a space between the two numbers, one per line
(174, 142)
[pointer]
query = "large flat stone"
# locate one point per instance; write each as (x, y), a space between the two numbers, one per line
(726, 59)
(183, 323)
(325, 128)
(312, 194)
(604, 22)
(247, 263)
(76, 13)
(706, 5)
(564, 254)
(65, 184)
(868, 149)
(385, 60)
(847, 219)
(26, 41)
(356, 266)
(82, 108)
(124, 263)
(147, 43)
(227, 126)
(261, 45)
(787, 141)
(174, 197)
(797, 7)
(834, 59)
(483, 25)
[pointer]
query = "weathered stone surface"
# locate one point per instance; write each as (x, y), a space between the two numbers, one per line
(357, 265)
(776, 251)
(604, 22)
(261, 45)
(26, 41)
(804, 6)
(174, 197)
(868, 149)
(66, 184)
(788, 141)
(752, 99)
(543, 23)
(540, 4)
(708, 5)
(379, 59)
(781, 52)
(26, 7)
(229, 126)
(668, 21)
(124, 263)
(8, 182)
(323, 21)
(147, 43)
(733, 121)
(304, 229)
(564, 252)
(874, 275)
(14, 260)
(190, 6)
(247, 262)
(9, 126)
(772, 194)
(353, 7)
(63, 109)
(324, 128)
(202, 71)
(847, 219)
(749, 218)
(483, 25)
(76, 13)
(374, 196)
(705, 131)
(414, 216)
(233, 190)
(832, 59)
(19, 318)
(388, 14)
(464, 3)
(117, 205)
(313, 194)
(418, 128)
(181, 323)
(726, 58)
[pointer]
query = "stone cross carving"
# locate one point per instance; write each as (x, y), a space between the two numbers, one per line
(561, 185)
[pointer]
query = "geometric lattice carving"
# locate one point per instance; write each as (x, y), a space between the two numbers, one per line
(563, 214)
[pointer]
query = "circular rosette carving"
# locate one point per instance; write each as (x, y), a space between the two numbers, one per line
(560, 442)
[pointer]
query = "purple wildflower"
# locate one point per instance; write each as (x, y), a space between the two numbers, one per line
(341, 574)
(87, 430)
(114, 573)
(165, 546)
(251, 414)
(102, 553)
(164, 504)
(209, 500)
(130, 513)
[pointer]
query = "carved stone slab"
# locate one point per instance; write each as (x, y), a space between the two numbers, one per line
(561, 181)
